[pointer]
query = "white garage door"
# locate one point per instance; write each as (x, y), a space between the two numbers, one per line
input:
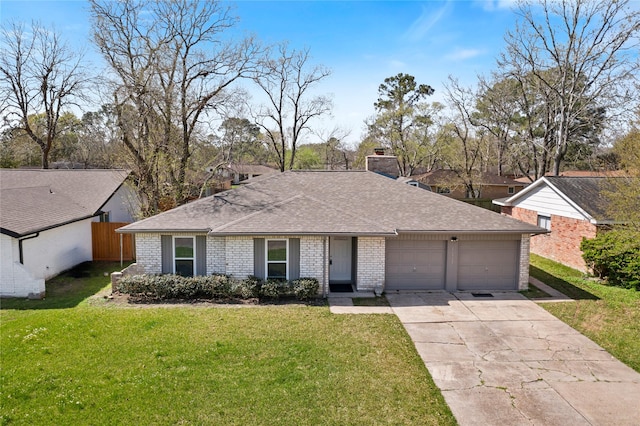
(415, 265)
(488, 265)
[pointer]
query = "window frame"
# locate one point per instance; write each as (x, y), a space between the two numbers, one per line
(267, 261)
(175, 258)
(544, 221)
(511, 190)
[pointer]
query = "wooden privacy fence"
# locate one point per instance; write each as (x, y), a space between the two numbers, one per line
(106, 242)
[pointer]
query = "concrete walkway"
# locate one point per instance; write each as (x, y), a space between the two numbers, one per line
(504, 360)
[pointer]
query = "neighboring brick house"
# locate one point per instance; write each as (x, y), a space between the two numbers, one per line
(355, 228)
(486, 185)
(571, 208)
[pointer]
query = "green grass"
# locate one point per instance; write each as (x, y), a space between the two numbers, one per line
(370, 301)
(66, 361)
(534, 292)
(608, 315)
(71, 288)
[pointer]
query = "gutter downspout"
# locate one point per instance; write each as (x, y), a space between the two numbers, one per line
(30, 237)
(324, 267)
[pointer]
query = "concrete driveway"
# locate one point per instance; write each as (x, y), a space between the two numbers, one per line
(503, 360)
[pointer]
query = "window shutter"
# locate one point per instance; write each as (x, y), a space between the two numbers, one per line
(294, 258)
(201, 255)
(259, 258)
(167, 255)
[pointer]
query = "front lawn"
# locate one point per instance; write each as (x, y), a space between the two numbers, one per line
(610, 316)
(88, 364)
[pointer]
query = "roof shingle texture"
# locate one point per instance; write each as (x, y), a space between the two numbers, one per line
(586, 192)
(35, 200)
(328, 202)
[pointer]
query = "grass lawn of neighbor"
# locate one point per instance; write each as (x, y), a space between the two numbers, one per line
(610, 316)
(72, 359)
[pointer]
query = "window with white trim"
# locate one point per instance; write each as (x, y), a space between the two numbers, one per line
(277, 258)
(184, 256)
(544, 222)
(511, 190)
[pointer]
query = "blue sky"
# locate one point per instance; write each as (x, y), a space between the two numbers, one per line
(362, 42)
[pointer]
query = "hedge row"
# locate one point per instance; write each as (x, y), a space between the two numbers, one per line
(614, 256)
(216, 287)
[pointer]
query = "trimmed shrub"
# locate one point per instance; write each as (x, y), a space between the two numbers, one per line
(614, 256)
(215, 286)
(133, 284)
(247, 288)
(305, 288)
(273, 289)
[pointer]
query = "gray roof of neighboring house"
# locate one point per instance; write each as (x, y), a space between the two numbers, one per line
(446, 177)
(36, 200)
(584, 192)
(328, 202)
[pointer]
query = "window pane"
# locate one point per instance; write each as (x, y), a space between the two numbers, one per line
(544, 222)
(277, 270)
(276, 250)
(184, 247)
(184, 268)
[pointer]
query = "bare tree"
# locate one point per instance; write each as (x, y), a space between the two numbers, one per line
(467, 155)
(172, 70)
(288, 80)
(581, 54)
(39, 74)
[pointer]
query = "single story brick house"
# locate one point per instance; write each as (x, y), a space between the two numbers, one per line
(487, 185)
(349, 227)
(571, 208)
(45, 222)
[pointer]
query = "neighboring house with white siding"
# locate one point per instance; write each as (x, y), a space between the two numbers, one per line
(353, 228)
(45, 222)
(571, 208)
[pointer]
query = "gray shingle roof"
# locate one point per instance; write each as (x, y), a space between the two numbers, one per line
(328, 202)
(35, 200)
(586, 192)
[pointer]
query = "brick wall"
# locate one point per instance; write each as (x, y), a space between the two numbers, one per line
(216, 255)
(523, 273)
(563, 243)
(497, 191)
(239, 256)
(312, 257)
(371, 263)
(149, 253)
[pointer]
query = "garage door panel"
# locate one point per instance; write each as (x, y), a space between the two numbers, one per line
(415, 265)
(488, 265)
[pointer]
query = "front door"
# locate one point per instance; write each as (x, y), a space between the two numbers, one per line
(340, 259)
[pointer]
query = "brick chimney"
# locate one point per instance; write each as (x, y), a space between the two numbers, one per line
(386, 165)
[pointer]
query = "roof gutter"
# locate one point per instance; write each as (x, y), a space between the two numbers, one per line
(468, 231)
(30, 237)
(161, 231)
(316, 234)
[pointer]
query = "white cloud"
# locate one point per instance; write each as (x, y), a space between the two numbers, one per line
(395, 64)
(492, 5)
(427, 19)
(462, 54)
